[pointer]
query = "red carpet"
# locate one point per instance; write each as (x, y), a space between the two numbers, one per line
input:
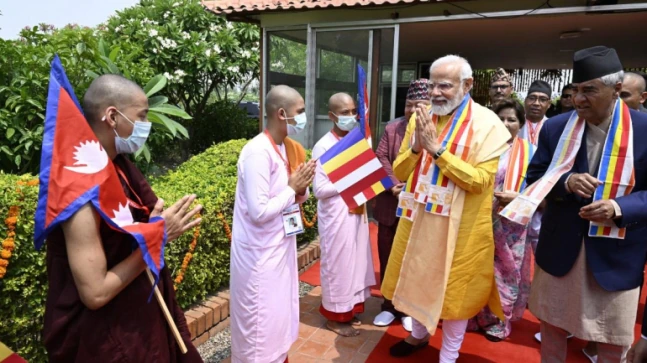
(519, 347)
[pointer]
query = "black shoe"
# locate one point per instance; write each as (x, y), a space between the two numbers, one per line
(492, 338)
(404, 349)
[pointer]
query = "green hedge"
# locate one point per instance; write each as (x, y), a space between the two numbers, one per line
(210, 175)
(24, 287)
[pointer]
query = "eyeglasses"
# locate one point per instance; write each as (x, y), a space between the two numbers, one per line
(443, 87)
(502, 87)
(533, 99)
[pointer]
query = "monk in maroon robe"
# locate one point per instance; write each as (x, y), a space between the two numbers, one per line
(97, 307)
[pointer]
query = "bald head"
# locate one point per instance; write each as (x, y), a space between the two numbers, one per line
(633, 90)
(340, 101)
(110, 90)
(281, 97)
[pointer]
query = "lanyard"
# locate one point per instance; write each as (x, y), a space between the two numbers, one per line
(136, 205)
(532, 131)
(335, 134)
(276, 148)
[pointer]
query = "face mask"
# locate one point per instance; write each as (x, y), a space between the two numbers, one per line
(301, 121)
(346, 123)
(136, 140)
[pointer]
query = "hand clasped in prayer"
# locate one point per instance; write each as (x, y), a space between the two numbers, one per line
(302, 177)
(426, 134)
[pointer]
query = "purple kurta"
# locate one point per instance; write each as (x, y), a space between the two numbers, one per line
(346, 260)
(264, 276)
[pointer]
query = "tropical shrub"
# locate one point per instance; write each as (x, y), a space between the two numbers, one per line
(24, 81)
(221, 121)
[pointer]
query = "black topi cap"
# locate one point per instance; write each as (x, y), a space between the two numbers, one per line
(595, 62)
(542, 87)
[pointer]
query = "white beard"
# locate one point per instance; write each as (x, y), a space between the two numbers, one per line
(448, 107)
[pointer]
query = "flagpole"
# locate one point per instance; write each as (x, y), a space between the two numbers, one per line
(167, 314)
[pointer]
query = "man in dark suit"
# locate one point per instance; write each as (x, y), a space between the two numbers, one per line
(386, 203)
(585, 285)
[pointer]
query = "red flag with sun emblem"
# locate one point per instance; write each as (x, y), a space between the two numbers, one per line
(75, 170)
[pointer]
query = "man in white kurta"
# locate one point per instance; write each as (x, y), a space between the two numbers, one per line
(536, 105)
(264, 275)
(346, 260)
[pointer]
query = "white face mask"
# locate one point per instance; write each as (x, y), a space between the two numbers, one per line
(136, 140)
(301, 121)
(346, 123)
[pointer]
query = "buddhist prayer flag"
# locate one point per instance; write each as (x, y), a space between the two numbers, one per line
(354, 170)
(7, 356)
(75, 170)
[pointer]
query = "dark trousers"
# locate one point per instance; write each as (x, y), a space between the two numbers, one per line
(385, 235)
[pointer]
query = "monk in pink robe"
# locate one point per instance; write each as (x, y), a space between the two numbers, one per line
(264, 275)
(346, 258)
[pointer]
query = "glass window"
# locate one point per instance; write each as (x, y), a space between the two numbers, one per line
(286, 60)
(338, 53)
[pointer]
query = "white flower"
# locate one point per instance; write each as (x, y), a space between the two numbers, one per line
(176, 4)
(208, 52)
(168, 76)
(155, 50)
(186, 35)
(214, 28)
(216, 48)
(197, 43)
(229, 26)
(232, 69)
(246, 54)
(118, 28)
(180, 73)
(167, 43)
(153, 33)
(166, 14)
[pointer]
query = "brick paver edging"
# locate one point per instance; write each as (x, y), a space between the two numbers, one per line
(211, 316)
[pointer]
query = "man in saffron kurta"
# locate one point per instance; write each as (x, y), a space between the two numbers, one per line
(346, 257)
(264, 275)
(447, 267)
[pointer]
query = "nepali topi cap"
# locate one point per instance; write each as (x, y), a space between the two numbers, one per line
(419, 90)
(595, 62)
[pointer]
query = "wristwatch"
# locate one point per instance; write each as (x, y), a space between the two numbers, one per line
(439, 152)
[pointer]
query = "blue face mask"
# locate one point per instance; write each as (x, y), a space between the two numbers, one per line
(346, 123)
(136, 140)
(301, 121)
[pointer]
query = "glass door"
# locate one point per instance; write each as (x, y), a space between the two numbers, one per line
(337, 52)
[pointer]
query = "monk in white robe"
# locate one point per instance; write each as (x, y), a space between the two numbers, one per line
(264, 274)
(346, 259)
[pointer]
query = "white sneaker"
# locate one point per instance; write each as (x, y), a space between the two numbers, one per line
(592, 358)
(538, 337)
(384, 318)
(407, 323)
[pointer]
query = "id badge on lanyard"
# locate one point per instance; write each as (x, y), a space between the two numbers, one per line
(292, 223)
